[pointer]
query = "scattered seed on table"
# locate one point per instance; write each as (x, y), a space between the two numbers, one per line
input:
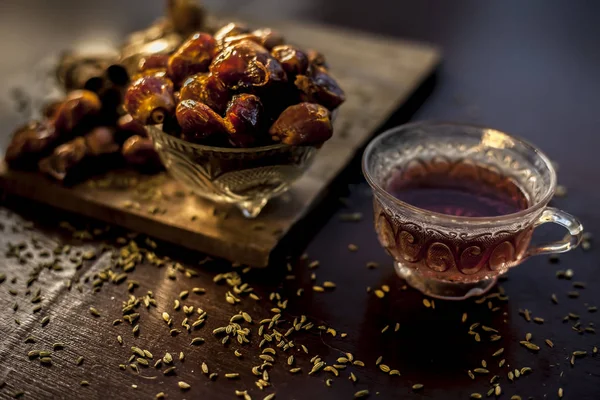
(84, 383)
(183, 385)
(475, 396)
(361, 393)
(530, 345)
(169, 370)
(33, 354)
(560, 392)
(232, 375)
(525, 370)
(417, 386)
(549, 343)
(45, 320)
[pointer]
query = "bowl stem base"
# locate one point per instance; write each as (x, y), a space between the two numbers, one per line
(443, 290)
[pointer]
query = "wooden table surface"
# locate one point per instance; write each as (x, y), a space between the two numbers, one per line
(529, 68)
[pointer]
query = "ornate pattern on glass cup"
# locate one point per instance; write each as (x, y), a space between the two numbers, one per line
(232, 176)
(450, 255)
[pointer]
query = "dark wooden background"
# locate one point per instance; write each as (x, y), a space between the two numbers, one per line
(527, 67)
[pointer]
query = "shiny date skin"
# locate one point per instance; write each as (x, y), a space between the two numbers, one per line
(208, 89)
(243, 118)
(302, 124)
(192, 57)
(247, 66)
(150, 98)
(199, 122)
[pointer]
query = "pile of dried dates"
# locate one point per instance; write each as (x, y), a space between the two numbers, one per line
(84, 133)
(237, 88)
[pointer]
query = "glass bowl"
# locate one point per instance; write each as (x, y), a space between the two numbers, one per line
(244, 177)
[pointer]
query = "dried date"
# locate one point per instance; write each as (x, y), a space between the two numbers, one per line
(139, 151)
(302, 124)
(247, 66)
(192, 57)
(154, 62)
(150, 98)
(321, 88)
(199, 122)
(244, 117)
(29, 143)
(206, 89)
(293, 60)
(77, 113)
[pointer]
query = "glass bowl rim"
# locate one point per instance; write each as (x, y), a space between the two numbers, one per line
(542, 203)
(243, 150)
(158, 129)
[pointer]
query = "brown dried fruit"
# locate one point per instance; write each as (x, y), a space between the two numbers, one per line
(29, 143)
(247, 65)
(206, 89)
(139, 151)
(302, 124)
(64, 158)
(320, 88)
(293, 60)
(101, 140)
(50, 109)
(192, 57)
(127, 126)
(198, 121)
(229, 30)
(150, 98)
(243, 117)
(154, 62)
(77, 113)
(268, 38)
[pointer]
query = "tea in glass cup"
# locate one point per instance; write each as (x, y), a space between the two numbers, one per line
(456, 205)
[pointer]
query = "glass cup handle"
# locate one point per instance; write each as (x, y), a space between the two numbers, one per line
(571, 239)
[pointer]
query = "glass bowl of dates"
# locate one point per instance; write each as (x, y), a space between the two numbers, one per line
(236, 116)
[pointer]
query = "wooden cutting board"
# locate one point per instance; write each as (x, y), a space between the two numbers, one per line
(378, 75)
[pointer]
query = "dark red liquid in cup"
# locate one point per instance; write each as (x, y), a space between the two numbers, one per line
(463, 196)
(453, 250)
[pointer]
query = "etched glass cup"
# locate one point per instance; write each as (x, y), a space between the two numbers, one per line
(245, 177)
(455, 257)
